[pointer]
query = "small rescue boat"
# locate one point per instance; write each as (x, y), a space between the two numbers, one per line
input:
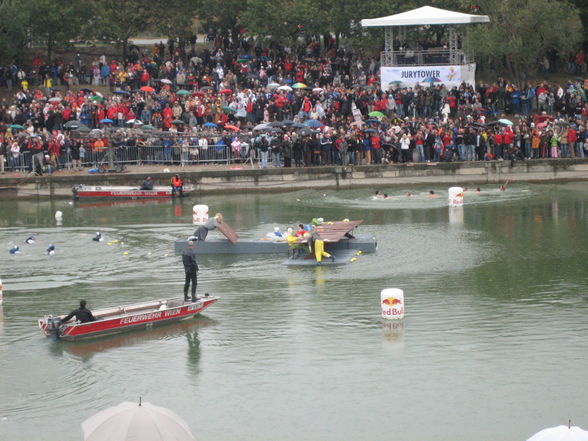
(122, 318)
(124, 191)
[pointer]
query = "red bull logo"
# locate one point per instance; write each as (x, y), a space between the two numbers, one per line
(391, 301)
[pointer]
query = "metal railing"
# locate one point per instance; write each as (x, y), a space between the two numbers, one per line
(430, 57)
(143, 155)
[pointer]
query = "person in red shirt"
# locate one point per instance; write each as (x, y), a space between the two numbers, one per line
(497, 145)
(376, 148)
(572, 138)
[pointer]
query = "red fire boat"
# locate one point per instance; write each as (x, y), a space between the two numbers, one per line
(123, 191)
(122, 318)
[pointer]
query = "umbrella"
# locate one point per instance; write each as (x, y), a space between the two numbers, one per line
(206, 88)
(55, 99)
(73, 124)
(376, 114)
(561, 433)
(147, 89)
(372, 121)
(147, 127)
(298, 126)
(318, 90)
(261, 127)
(16, 126)
(178, 121)
(121, 92)
(286, 88)
(287, 122)
(106, 121)
(275, 124)
(200, 94)
(313, 123)
(226, 91)
(232, 127)
(505, 122)
(242, 60)
(299, 86)
(86, 90)
(165, 81)
(273, 85)
(196, 60)
(247, 57)
(395, 83)
(264, 58)
(83, 129)
(97, 98)
(210, 124)
(183, 92)
(228, 109)
(370, 130)
(129, 421)
(305, 131)
(96, 132)
(135, 121)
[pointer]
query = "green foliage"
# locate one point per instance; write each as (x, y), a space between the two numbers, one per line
(521, 31)
(13, 28)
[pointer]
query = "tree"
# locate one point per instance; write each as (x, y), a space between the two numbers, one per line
(117, 21)
(56, 23)
(521, 32)
(13, 29)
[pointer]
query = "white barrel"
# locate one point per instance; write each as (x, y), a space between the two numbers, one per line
(199, 214)
(58, 215)
(392, 303)
(455, 196)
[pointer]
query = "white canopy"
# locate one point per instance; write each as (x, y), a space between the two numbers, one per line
(427, 15)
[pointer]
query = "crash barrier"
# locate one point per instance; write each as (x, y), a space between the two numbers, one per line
(143, 155)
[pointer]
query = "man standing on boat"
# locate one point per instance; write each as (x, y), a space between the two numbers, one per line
(82, 314)
(191, 270)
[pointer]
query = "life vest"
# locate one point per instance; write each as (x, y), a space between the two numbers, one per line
(176, 182)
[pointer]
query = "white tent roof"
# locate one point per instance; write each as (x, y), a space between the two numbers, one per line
(427, 15)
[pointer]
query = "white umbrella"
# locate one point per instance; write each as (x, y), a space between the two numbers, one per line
(286, 88)
(134, 121)
(165, 81)
(132, 421)
(318, 90)
(272, 85)
(561, 433)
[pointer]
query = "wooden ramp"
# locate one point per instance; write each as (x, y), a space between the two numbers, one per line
(229, 233)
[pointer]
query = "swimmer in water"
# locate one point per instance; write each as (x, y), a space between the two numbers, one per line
(478, 191)
(378, 195)
(408, 194)
(432, 194)
(503, 186)
(386, 196)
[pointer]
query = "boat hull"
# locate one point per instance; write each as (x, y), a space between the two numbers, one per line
(120, 319)
(363, 243)
(123, 192)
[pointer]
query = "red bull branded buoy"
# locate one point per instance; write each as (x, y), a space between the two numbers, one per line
(392, 303)
(455, 197)
(199, 214)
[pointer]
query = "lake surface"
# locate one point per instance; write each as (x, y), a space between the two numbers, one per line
(494, 345)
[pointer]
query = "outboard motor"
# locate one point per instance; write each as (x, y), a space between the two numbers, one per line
(53, 326)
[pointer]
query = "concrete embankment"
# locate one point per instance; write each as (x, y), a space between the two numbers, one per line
(221, 179)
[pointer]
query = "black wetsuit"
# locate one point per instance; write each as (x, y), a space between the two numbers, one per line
(191, 270)
(84, 315)
(147, 184)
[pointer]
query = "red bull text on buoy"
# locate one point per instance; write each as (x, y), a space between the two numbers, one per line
(392, 303)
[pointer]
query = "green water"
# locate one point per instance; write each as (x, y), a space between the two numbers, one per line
(494, 345)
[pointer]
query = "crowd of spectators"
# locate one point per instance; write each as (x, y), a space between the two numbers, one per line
(237, 101)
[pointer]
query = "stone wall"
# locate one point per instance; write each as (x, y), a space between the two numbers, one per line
(336, 177)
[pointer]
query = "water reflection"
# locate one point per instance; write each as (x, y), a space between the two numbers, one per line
(85, 350)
